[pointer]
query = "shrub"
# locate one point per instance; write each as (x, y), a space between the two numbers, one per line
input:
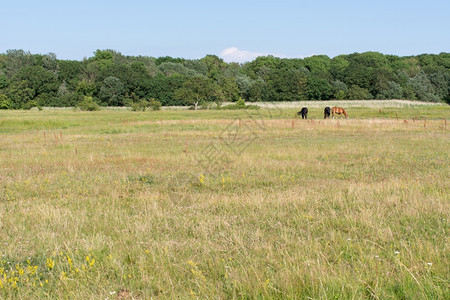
(140, 105)
(88, 104)
(240, 104)
(30, 104)
(5, 102)
(155, 104)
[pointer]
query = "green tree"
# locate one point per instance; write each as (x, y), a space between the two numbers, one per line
(339, 90)
(3, 81)
(318, 89)
(244, 84)
(112, 91)
(338, 67)
(257, 90)
(197, 90)
(253, 68)
(423, 88)
(170, 68)
(441, 83)
(393, 91)
(163, 88)
(103, 55)
(39, 80)
(168, 59)
(69, 71)
(358, 93)
(50, 63)
(318, 65)
(85, 88)
(198, 66)
(288, 85)
(16, 60)
(102, 60)
(215, 66)
(19, 93)
(230, 88)
(139, 80)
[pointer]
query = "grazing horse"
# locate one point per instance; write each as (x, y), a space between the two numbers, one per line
(326, 112)
(304, 113)
(338, 111)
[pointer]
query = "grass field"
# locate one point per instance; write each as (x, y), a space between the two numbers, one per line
(225, 204)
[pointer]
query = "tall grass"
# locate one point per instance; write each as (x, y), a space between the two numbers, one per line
(181, 204)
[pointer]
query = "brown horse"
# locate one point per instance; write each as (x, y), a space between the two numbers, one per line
(338, 111)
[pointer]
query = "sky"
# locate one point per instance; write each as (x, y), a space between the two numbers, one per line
(236, 31)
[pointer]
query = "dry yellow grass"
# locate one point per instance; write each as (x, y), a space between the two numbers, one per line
(186, 205)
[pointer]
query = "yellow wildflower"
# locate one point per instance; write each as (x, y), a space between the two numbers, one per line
(50, 263)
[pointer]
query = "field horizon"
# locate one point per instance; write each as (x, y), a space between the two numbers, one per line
(225, 204)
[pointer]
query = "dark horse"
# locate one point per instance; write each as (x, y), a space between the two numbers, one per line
(326, 112)
(304, 113)
(338, 111)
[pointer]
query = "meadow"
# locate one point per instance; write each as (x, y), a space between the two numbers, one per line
(235, 204)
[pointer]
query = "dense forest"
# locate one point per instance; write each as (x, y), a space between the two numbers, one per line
(112, 79)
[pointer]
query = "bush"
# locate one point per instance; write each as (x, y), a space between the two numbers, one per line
(5, 102)
(88, 104)
(155, 104)
(30, 104)
(240, 104)
(139, 106)
(142, 105)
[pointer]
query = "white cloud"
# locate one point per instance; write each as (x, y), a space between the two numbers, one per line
(233, 54)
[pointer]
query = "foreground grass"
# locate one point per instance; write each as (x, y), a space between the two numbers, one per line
(217, 204)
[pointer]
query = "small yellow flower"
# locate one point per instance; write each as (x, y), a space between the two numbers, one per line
(50, 263)
(69, 260)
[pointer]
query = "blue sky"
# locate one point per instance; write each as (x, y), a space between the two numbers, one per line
(233, 30)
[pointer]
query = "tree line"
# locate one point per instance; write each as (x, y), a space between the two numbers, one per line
(111, 79)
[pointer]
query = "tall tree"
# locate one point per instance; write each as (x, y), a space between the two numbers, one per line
(112, 91)
(199, 89)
